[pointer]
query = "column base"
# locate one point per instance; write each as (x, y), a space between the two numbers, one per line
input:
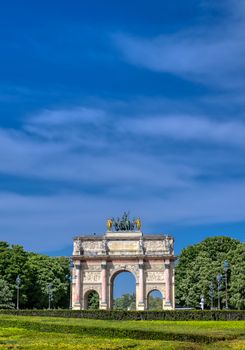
(141, 306)
(103, 306)
(76, 306)
(168, 305)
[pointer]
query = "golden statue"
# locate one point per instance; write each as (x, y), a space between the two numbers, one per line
(138, 224)
(109, 224)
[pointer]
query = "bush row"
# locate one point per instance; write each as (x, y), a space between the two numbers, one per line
(170, 315)
(111, 332)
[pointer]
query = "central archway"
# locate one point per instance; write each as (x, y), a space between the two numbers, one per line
(123, 290)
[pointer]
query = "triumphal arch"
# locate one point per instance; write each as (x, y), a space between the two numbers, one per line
(98, 260)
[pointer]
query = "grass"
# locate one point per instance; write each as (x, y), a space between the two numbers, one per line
(30, 332)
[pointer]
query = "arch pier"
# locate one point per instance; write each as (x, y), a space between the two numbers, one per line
(98, 259)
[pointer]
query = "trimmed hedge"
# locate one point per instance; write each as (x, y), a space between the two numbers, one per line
(169, 315)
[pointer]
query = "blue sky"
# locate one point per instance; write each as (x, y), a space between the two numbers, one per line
(108, 106)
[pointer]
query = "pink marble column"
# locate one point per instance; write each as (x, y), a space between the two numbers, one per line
(103, 284)
(78, 285)
(141, 304)
(167, 283)
(141, 284)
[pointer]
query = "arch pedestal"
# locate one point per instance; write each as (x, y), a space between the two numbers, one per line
(98, 259)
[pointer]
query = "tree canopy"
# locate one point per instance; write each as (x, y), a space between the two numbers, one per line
(125, 302)
(198, 266)
(6, 295)
(36, 272)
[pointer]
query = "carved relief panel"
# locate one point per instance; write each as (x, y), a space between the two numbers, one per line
(164, 246)
(156, 246)
(123, 247)
(154, 276)
(91, 276)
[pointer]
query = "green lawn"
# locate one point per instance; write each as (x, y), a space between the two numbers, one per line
(25, 332)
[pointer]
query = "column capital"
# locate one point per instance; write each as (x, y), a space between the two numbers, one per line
(103, 266)
(167, 266)
(141, 266)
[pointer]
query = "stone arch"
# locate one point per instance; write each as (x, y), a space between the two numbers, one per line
(87, 293)
(152, 290)
(116, 272)
(112, 280)
(99, 259)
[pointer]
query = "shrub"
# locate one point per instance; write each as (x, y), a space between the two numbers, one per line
(168, 315)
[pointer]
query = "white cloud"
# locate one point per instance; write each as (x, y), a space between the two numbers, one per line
(108, 170)
(119, 153)
(85, 157)
(73, 116)
(138, 167)
(211, 54)
(43, 223)
(189, 128)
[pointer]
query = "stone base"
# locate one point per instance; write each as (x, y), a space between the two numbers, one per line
(76, 306)
(168, 306)
(103, 306)
(141, 307)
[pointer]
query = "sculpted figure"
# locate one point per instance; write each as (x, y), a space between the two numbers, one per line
(123, 224)
(116, 224)
(127, 224)
(138, 224)
(132, 225)
(109, 224)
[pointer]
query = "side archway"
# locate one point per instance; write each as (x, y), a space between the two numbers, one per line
(155, 300)
(91, 300)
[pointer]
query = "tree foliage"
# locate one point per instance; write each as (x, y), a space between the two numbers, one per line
(125, 302)
(198, 266)
(6, 295)
(154, 303)
(36, 272)
(93, 301)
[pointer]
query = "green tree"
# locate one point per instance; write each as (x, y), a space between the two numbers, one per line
(198, 266)
(93, 300)
(154, 303)
(46, 270)
(6, 295)
(125, 302)
(13, 262)
(36, 272)
(237, 277)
